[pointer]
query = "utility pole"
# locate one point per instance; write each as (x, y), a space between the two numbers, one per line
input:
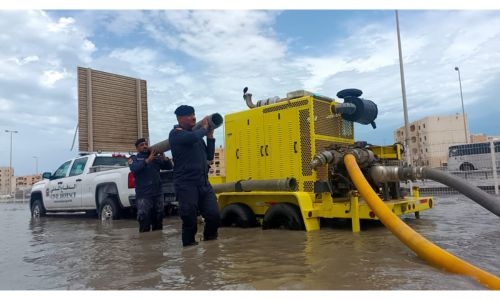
(403, 91)
(463, 110)
(405, 108)
(36, 164)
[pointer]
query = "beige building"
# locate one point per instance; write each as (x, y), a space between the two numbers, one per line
(479, 138)
(218, 167)
(5, 174)
(23, 182)
(430, 137)
(17, 183)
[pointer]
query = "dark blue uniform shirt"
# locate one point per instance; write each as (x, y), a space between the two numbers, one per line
(191, 155)
(147, 175)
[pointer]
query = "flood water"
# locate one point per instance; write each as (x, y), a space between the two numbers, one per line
(75, 252)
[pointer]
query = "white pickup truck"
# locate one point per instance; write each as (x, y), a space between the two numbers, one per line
(93, 183)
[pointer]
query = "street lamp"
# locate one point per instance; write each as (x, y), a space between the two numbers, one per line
(36, 164)
(10, 162)
(463, 110)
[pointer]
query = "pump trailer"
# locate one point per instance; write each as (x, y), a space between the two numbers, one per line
(284, 164)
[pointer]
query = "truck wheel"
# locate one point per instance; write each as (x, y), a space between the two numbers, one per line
(109, 210)
(37, 209)
(238, 215)
(467, 167)
(283, 216)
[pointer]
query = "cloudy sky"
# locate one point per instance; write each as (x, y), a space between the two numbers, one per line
(204, 57)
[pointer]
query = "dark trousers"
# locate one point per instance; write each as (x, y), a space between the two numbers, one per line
(193, 199)
(150, 212)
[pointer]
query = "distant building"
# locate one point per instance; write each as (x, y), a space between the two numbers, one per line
(218, 167)
(5, 174)
(27, 181)
(478, 138)
(430, 137)
(17, 183)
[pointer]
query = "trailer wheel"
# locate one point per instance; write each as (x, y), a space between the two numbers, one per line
(238, 215)
(108, 210)
(283, 216)
(37, 209)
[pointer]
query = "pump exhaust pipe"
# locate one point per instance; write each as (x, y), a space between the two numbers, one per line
(214, 121)
(286, 184)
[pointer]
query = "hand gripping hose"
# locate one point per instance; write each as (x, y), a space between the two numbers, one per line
(424, 248)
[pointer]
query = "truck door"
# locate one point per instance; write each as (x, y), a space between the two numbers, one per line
(74, 183)
(54, 191)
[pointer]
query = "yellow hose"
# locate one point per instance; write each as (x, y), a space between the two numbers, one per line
(423, 247)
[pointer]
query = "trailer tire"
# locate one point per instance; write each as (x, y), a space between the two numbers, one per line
(283, 216)
(109, 210)
(238, 215)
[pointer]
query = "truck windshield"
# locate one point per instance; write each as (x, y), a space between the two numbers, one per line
(110, 161)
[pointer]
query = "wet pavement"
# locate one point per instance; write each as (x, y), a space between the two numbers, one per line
(76, 252)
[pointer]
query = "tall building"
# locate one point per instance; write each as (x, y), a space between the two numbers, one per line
(218, 167)
(430, 137)
(5, 174)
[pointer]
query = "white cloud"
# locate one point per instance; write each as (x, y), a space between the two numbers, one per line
(123, 22)
(5, 105)
(137, 56)
(63, 24)
(88, 46)
(23, 60)
(50, 77)
(223, 38)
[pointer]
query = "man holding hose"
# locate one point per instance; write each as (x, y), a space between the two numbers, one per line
(194, 192)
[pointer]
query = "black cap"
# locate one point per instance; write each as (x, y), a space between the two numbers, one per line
(141, 140)
(184, 110)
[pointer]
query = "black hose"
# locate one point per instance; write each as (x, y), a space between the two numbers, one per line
(484, 199)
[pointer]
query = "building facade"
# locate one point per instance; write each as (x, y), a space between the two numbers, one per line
(6, 178)
(218, 167)
(430, 137)
(23, 182)
(17, 183)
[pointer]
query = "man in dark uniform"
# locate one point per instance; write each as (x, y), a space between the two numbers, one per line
(193, 190)
(146, 167)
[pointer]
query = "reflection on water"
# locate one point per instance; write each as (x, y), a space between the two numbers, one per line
(76, 253)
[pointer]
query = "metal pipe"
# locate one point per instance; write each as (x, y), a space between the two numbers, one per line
(343, 108)
(494, 165)
(214, 121)
(326, 157)
(364, 157)
(268, 101)
(285, 184)
(248, 98)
